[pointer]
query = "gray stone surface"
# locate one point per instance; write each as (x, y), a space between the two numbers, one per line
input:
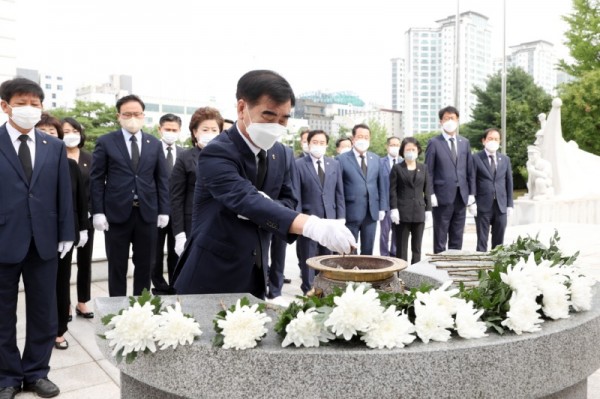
(560, 356)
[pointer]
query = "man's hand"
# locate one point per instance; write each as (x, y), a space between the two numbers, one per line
(434, 202)
(473, 209)
(100, 223)
(83, 238)
(180, 240)
(330, 233)
(428, 217)
(395, 216)
(509, 211)
(381, 215)
(162, 221)
(64, 247)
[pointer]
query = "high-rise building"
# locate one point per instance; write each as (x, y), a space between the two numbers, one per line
(398, 82)
(56, 93)
(430, 69)
(538, 59)
(8, 40)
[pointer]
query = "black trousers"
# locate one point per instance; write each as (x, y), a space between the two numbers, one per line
(449, 225)
(277, 258)
(63, 292)
(158, 280)
(84, 268)
(494, 218)
(415, 231)
(142, 237)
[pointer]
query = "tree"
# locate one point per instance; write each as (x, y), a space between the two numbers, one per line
(524, 101)
(378, 137)
(583, 39)
(581, 111)
(97, 118)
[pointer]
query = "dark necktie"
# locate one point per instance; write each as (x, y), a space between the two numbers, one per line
(262, 169)
(135, 153)
(453, 149)
(169, 160)
(25, 156)
(493, 164)
(363, 165)
(321, 173)
(393, 162)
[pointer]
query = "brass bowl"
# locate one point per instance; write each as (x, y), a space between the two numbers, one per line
(356, 268)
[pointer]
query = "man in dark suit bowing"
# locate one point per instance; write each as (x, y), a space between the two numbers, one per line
(169, 127)
(318, 182)
(494, 183)
(130, 196)
(365, 192)
(450, 165)
(36, 219)
(243, 195)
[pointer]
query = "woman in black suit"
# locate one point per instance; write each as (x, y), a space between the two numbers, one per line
(205, 125)
(52, 126)
(410, 200)
(74, 138)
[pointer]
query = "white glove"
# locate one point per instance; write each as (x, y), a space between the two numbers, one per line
(242, 217)
(473, 209)
(180, 240)
(395, 215)
(381, 215)
(329, 233)
(163, 221)
(428, 217)
(434, 200)
(100, 223)
(64, 247)
(83, 238)
(470, 200)
(509, 211)
(264, 195)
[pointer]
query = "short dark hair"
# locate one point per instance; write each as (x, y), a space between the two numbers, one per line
(410, 140)
(48, 120)
(255, 84)
(20, 85)
(392, 138)
(448, 110)
(360, 126)
(313, 133)
(228, 121)
(204, 114)
(77, 126)
(339, 141)
(169, 118)
(127, 99)
(491, 129)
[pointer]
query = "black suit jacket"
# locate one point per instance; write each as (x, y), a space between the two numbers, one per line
(410, 192)
(80, 205)
(85, 166)
(182, 183)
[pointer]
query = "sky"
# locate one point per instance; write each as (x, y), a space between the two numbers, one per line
(197, 50)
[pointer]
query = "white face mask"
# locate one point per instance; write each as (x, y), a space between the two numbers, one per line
(26, 117)
(305, 148)
(72, 140)
(361, 145)
(492, 146)
(450, 126)
(411, 156)
(205, 138)
(318, 151)
(344, 150)
(132, 125)
(170, 137)
(393, 151)
(264, 135)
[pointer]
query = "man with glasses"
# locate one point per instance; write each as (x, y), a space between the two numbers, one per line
(130, 196)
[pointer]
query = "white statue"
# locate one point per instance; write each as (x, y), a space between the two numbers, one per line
(539, 135)
(539, 181)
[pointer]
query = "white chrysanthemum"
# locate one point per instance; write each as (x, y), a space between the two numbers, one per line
(555, 301)
(432, 322)
(243, 327)
(306, 330)
(518, 277)
(467, 321)
(581, 292)
(133, 329)
(523, 315)
(545, 277)
(355, 311)
(440, 297)
(176, 329)
(392, 330)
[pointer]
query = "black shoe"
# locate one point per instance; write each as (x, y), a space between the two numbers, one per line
(9, 392)
(64, 344)
(287, 280)
(44, 388)
(86, 315)
(70, 319)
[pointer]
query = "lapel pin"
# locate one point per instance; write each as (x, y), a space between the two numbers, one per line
(44, 141)
(85, 164)
(273, 156)
(148, 141)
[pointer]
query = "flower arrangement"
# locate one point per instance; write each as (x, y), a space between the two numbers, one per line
(241, 326)
(146, 324)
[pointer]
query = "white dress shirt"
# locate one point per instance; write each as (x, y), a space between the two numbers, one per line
(314, 161)
(14, 137)
(173, 150)
(447, 137)
(358, 158)
(127, 137)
